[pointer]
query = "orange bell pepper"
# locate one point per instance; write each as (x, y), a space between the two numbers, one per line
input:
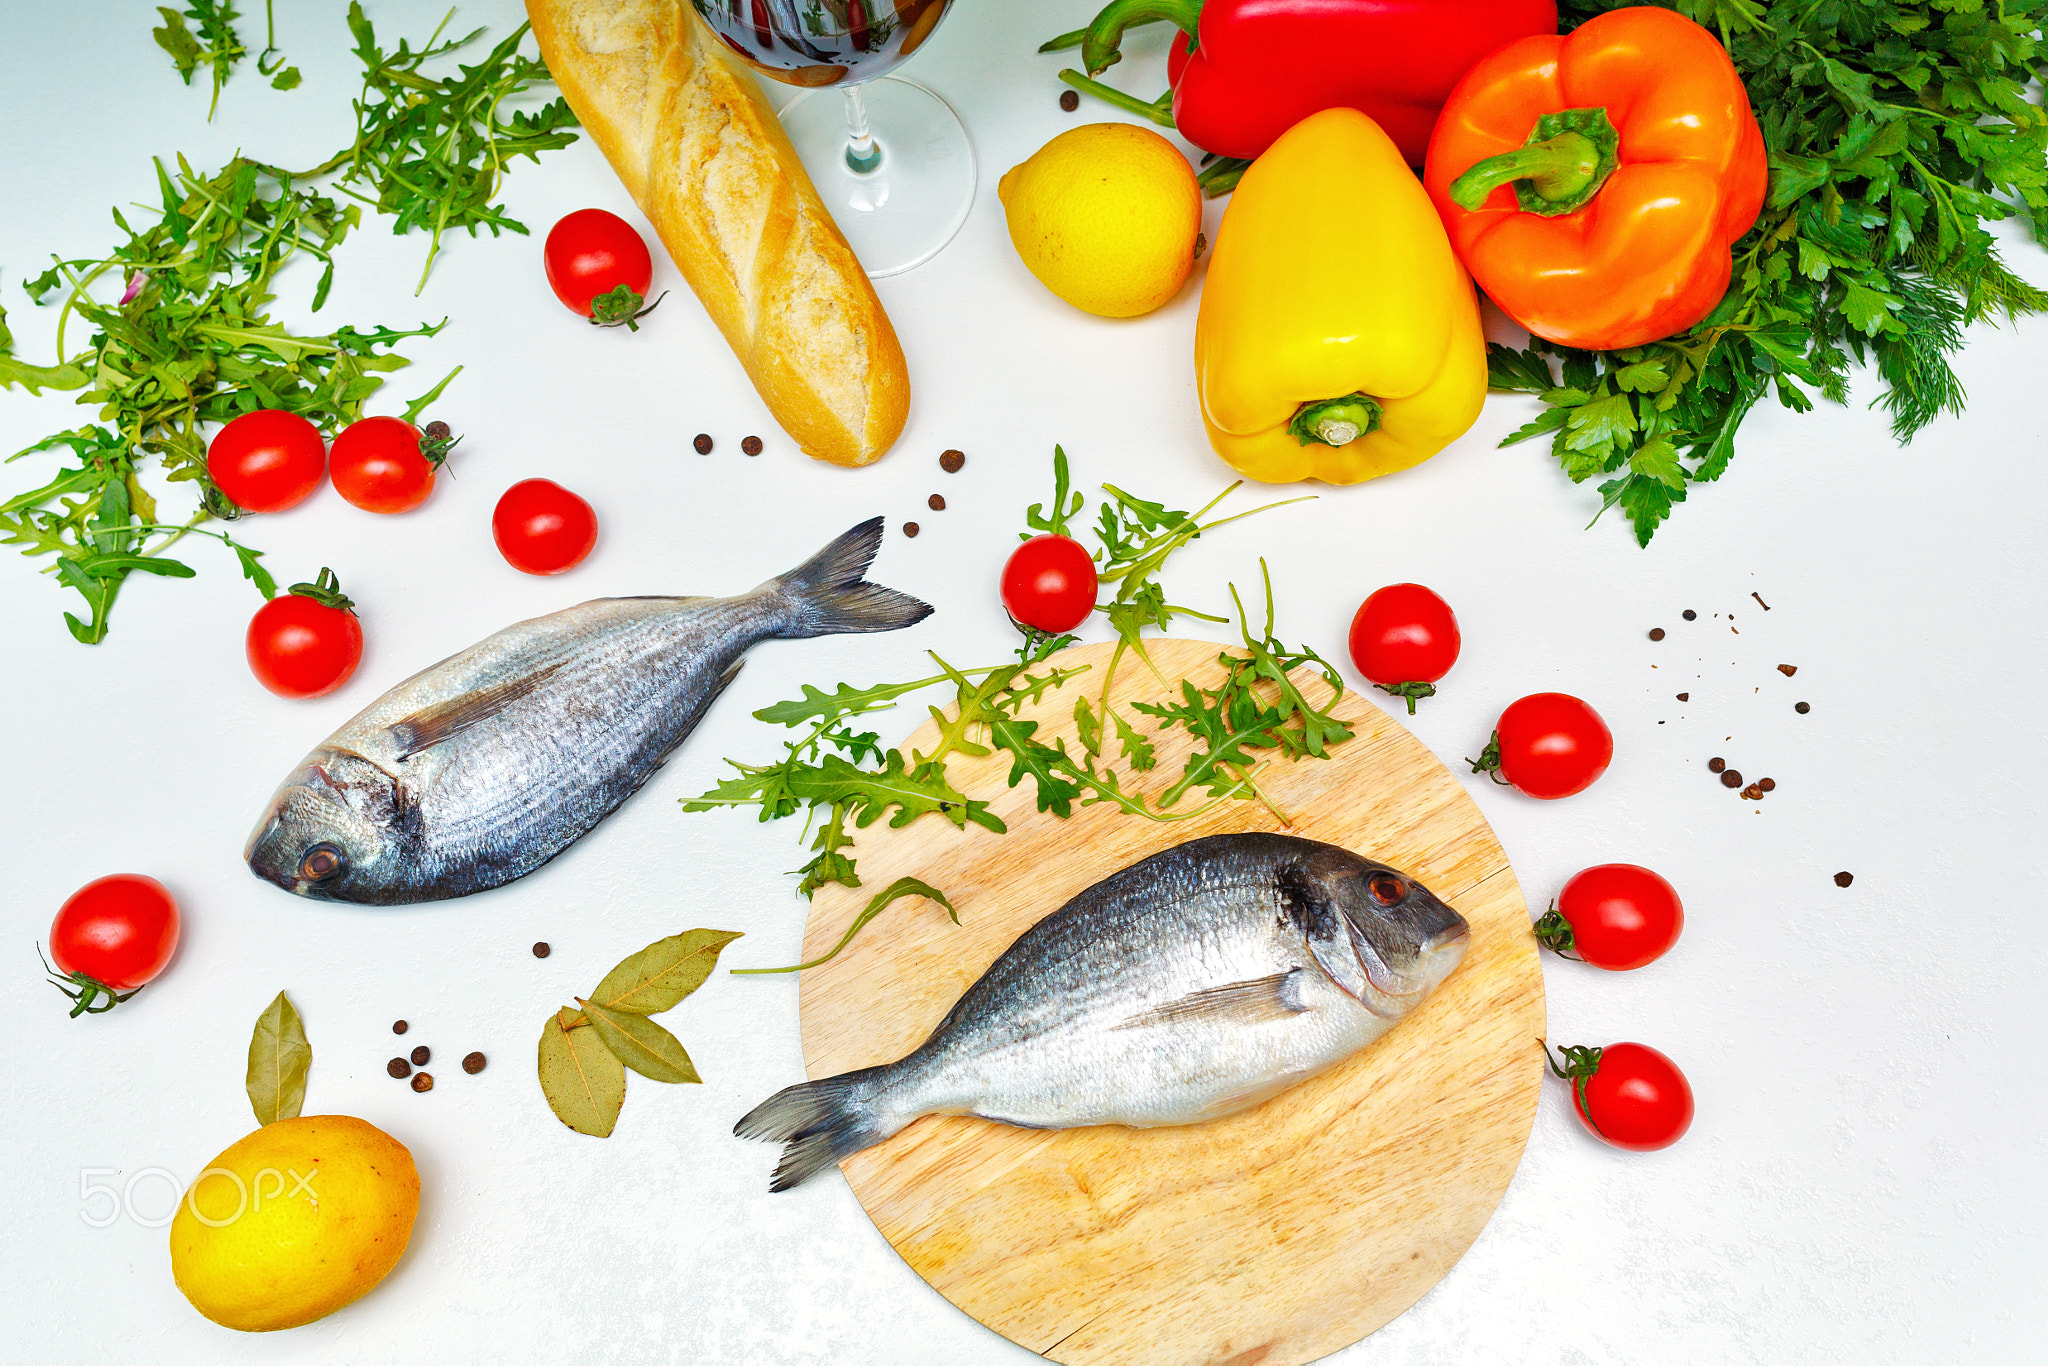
(1594, 183)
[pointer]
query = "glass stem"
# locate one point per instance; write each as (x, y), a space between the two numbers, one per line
(863, 153)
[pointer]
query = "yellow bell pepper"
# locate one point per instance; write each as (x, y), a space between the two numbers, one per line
(1339, 337)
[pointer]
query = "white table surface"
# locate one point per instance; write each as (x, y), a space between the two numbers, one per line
(1865, 1179)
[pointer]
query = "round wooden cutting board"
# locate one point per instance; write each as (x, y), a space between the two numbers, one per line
(1274, 1236)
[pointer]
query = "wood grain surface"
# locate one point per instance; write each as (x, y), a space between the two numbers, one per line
(1274, 1236)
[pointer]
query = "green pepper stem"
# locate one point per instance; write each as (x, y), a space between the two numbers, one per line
(1104, 36)
(1160, 111)
(1335, 421)
(1568, 157)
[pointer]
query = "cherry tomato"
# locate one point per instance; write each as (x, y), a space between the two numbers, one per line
(1615, 916)
(1548, 745)
(267, 460)
(113, 934)
(1403, 640)
(599, 267)
(308, 642)
(1049, 583)
(381, 465)
(542, 528)
(1628, 1094)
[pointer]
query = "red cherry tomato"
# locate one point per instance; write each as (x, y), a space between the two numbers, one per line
(1049, 583)
(306, 643)
(1628, 1094)
(1403, 639)
(590, 256)
(113, 934)
(1615, 916)
(542, 528)
(267, 460)
(1548, 745)
(377, 464)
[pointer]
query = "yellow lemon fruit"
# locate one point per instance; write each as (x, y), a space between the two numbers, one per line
(1106, 216)
(293, 1222)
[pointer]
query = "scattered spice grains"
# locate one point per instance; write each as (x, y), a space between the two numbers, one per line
(751, 445)
(473, 1064)
(1685, 697)
(1788, 669)
(1753, 793)
(540, 950)
(423, 1081)
(1070, 100)
(702, 443)
(910, 528)
(399, 1067)
(1716, 765)
(1759, 601)
(951, 462)
(1731, 779)
(937, 502)
(1690, 615)
(420, 1055)
(1844, 879)
(399, 1027)
(1802, 707)
(1656, 633)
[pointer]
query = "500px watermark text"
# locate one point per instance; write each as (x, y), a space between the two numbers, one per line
(102, 1202)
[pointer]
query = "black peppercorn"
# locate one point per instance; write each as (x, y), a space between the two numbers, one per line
(420, 1055)
(473, 1064)
(398, 1067)
(541, 950)
(702, 443)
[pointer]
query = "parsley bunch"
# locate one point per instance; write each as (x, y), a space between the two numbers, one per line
(188, 343)
(1896, 131)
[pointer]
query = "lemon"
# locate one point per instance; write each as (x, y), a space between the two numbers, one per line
(1106, 216)
(293, 1222)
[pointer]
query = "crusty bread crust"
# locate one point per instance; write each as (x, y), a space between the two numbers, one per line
(701, 152)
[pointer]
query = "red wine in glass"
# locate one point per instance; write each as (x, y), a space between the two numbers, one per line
(894, 165)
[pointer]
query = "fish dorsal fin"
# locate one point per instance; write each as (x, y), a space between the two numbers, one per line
(1266, 998)
(430, 726)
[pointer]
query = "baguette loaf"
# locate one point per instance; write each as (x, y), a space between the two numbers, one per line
(686, 128)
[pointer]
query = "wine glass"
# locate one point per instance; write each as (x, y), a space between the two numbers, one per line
(890, 159)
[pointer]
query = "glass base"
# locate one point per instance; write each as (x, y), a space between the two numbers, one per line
(900, 213)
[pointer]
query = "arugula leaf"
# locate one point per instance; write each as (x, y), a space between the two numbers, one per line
(433, 151)
(187, 345)
(1897, 132)
(216, 45)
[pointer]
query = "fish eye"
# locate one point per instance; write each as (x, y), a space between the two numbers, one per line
(1387, 889)
(321, 862)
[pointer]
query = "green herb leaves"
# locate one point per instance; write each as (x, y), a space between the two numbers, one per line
(433, 150)
(843, 779)
(1896, 132)
(584, 1053)
(279, 1059)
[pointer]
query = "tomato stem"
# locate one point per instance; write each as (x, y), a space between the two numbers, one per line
(325, 590)
(1488, 761)
(1409, 692)
(86, 998)
(1554, 932)
(621, 307)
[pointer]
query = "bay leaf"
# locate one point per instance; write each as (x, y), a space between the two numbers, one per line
(663, 973)
(584, 1084)
(641, 1044)
(279, 1058)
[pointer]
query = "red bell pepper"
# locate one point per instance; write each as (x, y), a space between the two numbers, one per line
(1249, 70)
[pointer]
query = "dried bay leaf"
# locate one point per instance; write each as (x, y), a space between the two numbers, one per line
(641, 1044)
(584, 1084)
(279, 1058)
(663, 973)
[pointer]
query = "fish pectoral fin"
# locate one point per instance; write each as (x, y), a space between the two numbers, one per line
(1266, 998)
(443, 721)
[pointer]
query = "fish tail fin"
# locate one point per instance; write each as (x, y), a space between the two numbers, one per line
(828, 596)
(818, 1122)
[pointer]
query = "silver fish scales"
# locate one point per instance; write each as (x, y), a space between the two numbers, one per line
(1193, 984)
